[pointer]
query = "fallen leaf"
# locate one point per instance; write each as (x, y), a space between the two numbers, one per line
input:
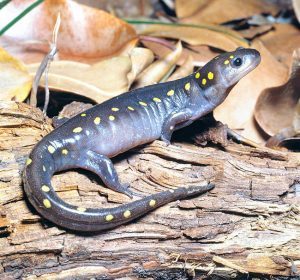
(185, 8)
(281, 41)
(296, 6)
(276, 106)
(158, 70)
(97, 82)
(237, 111)
(184, 70)
(212, 11)
(254, 31)
(85, 32)
(15, 81)
(121, 8)
(210, 35)
(200, 54)
(140, 58)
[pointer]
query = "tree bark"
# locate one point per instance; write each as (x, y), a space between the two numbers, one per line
(249, 223)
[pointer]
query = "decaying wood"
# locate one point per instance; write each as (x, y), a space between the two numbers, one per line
(250, 222)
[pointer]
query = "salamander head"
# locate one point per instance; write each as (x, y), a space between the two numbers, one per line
(235, 65)
(225, 70)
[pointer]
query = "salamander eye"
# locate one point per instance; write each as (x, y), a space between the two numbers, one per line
(237, 62)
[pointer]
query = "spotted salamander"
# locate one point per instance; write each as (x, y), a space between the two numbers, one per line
(91, 138)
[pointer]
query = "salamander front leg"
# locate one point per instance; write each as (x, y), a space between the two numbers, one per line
(179, 119)
(104, 168)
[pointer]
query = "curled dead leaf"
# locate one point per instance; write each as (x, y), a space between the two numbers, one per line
(276, 107)
(140, 58)
(212, 11)
(15, 81)
(85, 31)
(157, 70)
(184, 70)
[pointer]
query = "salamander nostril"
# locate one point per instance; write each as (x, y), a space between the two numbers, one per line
(237, 62)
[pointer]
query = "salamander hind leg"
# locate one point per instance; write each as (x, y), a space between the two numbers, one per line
(104, 168)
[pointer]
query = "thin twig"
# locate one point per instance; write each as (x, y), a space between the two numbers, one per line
(44, 67)
(53, 47)
(21, 15)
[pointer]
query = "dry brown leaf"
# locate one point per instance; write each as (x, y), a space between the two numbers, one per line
(101, 80)
(15, 81)
(254, 31)
(157, 70)
(97, 82)
(276, 106)
(210, 35)
(185, 8)
(282, 41)
(140, 58)
(121, 8)
(200, 54)
(213, 11)
(85, 32)
(296, 6)
(238, 109)
(184, 70)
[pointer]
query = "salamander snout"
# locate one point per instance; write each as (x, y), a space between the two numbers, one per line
(239, 63)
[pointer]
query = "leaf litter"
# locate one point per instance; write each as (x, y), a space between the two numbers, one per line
(101, 56)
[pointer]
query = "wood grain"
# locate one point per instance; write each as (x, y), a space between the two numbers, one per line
(250, 222)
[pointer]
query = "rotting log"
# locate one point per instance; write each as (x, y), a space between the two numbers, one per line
(250, 222)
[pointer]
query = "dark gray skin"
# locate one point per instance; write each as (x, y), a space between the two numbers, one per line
(90, 139)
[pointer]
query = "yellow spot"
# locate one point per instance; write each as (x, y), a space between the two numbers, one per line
(28, 161)
(83, 114)
(197, 76)
(130, 108)
(97, 120)
(109, 217)
(47, 203)
(51, 149)
(111, 118)
(115, 109)
(45, 188)
(44, 168)
(152, 202)
(60, 117)
(170, 92)
(203, 81)
(77, 129)
(64, 151)
(127, 214)
(156, 99)
(143, 103)
(226, 62)
(232, 56)
(210, 75)
(81, 209)
(187, 86)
